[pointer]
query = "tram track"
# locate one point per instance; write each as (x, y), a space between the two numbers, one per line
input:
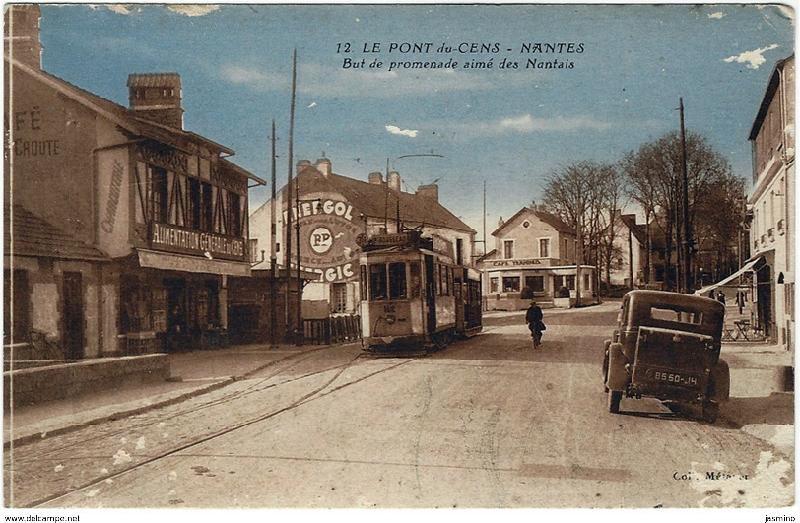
(313, 395)
(252, 389)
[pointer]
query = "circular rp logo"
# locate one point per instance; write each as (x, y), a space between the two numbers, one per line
(321, 240)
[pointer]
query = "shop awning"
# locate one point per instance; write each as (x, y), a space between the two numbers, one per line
(751, 265)
(177, 262)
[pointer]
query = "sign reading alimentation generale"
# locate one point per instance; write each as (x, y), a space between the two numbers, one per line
(177, 239)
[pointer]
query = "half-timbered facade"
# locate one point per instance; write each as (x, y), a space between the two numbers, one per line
(151, 218)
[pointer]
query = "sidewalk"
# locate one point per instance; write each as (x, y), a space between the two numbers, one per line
(762, 397)
(191, 374)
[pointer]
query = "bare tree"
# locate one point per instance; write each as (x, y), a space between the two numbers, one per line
(579, 193)
(654, 174)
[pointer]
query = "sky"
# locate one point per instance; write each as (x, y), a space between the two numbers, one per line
(508, 127)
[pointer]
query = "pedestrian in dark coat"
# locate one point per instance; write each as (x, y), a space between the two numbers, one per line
(534, 317)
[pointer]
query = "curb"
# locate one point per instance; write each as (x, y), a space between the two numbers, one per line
(37, 436)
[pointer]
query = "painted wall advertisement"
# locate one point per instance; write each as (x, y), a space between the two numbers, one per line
(112, 195)
(328, 234)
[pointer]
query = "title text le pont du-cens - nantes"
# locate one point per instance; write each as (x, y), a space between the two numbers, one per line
(461, 55)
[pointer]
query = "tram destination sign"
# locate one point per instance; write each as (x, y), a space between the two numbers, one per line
(187, 241)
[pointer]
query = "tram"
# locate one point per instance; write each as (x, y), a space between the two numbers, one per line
(414, 296)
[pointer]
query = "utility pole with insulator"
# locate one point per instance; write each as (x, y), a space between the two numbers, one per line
(273, 257)
(288, 197)
(687, 234)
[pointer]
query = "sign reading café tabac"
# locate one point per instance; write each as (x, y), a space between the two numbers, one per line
(177, 239)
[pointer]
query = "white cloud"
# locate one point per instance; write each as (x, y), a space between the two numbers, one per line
(193, 9)
(326, 81)
(120, 9)
(393, 129)
(717, 15)
(526, 123)
(754, 59)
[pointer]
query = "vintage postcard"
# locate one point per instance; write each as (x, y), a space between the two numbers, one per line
(398, 256)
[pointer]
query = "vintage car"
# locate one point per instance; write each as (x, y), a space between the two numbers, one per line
(666, 346)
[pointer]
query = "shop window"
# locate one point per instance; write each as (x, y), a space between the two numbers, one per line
(494, 284)
(416, 279)
(510, 283)
(535, 283)
(558, 282)
(234, 214)
(339, 297)
(585, 282)
(159, 195)
(377, 281)
(397, 280)
(16, 306)
(508, 249)
(571, 282)
(544, 247)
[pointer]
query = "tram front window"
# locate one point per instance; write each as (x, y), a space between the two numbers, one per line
(397, 281)
(377, 281)
(416, 279)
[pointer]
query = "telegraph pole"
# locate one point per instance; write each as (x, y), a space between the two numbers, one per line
(298, 311)
(484, 219)
(288, 198)
(687, 239)
(273, 257)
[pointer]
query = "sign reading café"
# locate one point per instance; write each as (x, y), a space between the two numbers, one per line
(177, 239)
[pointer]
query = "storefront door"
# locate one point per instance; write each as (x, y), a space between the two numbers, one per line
(176, 311)
(73, 315)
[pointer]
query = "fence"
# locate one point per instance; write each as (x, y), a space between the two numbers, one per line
(334, 329)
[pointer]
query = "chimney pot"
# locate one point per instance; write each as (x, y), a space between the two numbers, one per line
(429, 191)
(394, 181)
(323, 165)
(27, 46)
(157, 97)
(376, 177)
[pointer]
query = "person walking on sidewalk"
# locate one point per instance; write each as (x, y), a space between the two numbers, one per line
(534, 318)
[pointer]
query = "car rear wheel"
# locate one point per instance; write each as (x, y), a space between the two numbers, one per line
(614, 398)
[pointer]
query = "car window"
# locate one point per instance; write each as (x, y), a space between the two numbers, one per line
(676, 315)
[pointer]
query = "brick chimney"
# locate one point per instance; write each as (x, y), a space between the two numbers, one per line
(394, 180)
(157, 97)
(376, 178)
(429, 191)
(22, 34)
(323, 165)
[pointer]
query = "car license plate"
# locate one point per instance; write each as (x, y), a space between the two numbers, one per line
(675, 378)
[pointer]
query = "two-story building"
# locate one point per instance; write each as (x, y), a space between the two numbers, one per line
(534, 256)
(628, 253)
(124, 226)
(772, 206)
(336, 214)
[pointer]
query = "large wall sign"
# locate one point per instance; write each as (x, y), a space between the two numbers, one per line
(112, 187)
(328, 235)
(178, 239)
